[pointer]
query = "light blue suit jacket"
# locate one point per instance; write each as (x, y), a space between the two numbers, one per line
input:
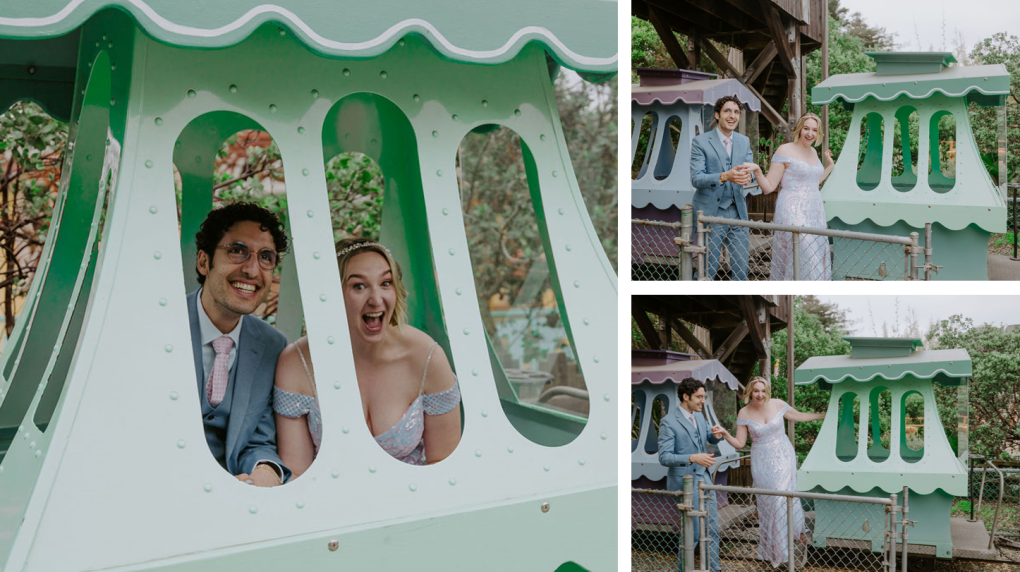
(251, 427)
(708, 161)
(677, 444)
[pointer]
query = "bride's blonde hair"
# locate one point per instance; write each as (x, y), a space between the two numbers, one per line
(795, 133)
(746, 397)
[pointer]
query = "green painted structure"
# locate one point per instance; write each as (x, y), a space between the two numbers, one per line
(957, 196)
(103, 463)
(841, 460)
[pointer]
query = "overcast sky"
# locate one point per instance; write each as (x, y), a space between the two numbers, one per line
(996, 310)
(914, 20)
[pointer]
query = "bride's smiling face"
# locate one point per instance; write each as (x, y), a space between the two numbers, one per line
(808, 133)
(369, 296)
(759, 395)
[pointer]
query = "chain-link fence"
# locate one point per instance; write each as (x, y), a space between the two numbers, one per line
(1008, 244)
(995, 501)
(749, 529)
(717, 248)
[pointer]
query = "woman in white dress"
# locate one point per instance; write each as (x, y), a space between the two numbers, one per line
(796, 165)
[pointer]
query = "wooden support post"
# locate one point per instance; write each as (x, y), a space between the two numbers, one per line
(733, 340)
(647, 329)
(668, 39)
(779, 36)
(825, 76)
(760, 64)
(765, 368)
(664, 332)
(692, 340)
(794, 80)
(696, 49)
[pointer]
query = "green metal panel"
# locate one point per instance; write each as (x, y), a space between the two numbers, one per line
(580, 34)
(947, 367)
(134, 341)
(904, 63)
(864, 347)
(955, 82)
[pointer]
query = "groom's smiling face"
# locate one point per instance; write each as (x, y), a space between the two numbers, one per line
(729, 116)
(696, 402)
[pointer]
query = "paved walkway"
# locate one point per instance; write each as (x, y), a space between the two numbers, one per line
(1000, 267)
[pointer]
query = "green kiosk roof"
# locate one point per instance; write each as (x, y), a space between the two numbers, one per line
(572, 31)
(948, 367)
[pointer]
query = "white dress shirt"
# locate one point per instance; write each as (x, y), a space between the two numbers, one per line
(210, 332)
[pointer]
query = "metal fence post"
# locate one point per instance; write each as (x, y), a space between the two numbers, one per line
(893, 534)
(703, 525)
(927, 251)
(796, 255)
(789, 517)
(913, 256)
(686, 229)
(688, 523)
(702, 242)
(906, 492)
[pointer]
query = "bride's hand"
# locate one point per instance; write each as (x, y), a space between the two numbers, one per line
(828, 158)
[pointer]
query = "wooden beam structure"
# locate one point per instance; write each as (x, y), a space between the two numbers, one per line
(668, 39)
(779, 36)
(692, 340)
(647, 330)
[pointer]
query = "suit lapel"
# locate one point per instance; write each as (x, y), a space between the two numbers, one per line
(249, 357)
(196, 340)
(681, 418)
(716, 143)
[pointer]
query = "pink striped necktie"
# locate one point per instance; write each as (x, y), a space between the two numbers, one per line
(216, 387)
(729, 144)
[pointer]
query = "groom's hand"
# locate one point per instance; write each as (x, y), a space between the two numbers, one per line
(703, 459)
(739, 175)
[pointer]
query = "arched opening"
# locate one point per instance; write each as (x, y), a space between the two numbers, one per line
(905, 138)
(646, 134)
(880, 424)
(668, 147)
(847, 427)
(658, 411)
(44, 339)
(912, 422)
(532, 354)
(943, 144)
(638, 408)
(869, 164)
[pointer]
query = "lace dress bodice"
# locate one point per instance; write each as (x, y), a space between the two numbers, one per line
(800, 204)
(405, 440)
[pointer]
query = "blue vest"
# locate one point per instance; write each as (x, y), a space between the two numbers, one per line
(215, 419)
(731, 192)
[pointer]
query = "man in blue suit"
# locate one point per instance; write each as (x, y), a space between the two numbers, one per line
(239, 246)
(683, 438)
(718, 174)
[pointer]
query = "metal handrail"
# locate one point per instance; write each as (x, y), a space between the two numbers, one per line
(715, 468)
(998, 504)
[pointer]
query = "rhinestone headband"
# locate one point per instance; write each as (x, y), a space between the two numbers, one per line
(358, 245)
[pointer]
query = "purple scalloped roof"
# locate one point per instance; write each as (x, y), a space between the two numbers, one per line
(700, 369)
(701, 92)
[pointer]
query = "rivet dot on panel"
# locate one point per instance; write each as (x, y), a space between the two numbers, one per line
(322, 297)
(568, 248)
(455, 117)
(97, 44)
(458, 291)
(383, 74)
(113, 102)
(467, 332)
(272, 108)
(416, 98)
(336, 385)
(233, 88)
(153, 209)
(371, 469)
(605, 396)
(157, 255)
(333, 545)
(148, 164)
(373, 142)
(253, 509)
(546, 468)
(604, 436)
(283, 32)
(301, 130)
(586, 321)
(451, 251)
(485, 413)
(577, 283)
(345, 429)
(453, 482)
(158, 121)
(347, 72)
(299, 504)
(435, 134)
(38, 453)
(595, 359)
(478, 452)
(192, 93)
(162, 301)
(88, 157)
(509, 449)
(173, 396)
(439, 173)
(168, 348)
(541, 137)
(181, 444)
(581, 462)
(555, 174)
(485, 103)
(315, 94)
(560, 211)
(31, 445)
(335, 474)
(316, 255)
(113, 67)
(207, 487)
(474, 373)
(310, 214)
(412, 487)
(517, 112)
(330, 340)
(402, 43)
(304, 172)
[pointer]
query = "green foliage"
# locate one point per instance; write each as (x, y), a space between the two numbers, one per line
(995, 386)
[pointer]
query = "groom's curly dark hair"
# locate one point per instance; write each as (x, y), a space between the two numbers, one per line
(722, 101)
(219, 221)
(689, 386)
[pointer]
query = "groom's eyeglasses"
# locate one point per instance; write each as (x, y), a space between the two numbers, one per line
(239, 252)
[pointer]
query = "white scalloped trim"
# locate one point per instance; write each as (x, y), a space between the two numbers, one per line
(908, 94)
(661, 101)
(885, 377)
(289, 17)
